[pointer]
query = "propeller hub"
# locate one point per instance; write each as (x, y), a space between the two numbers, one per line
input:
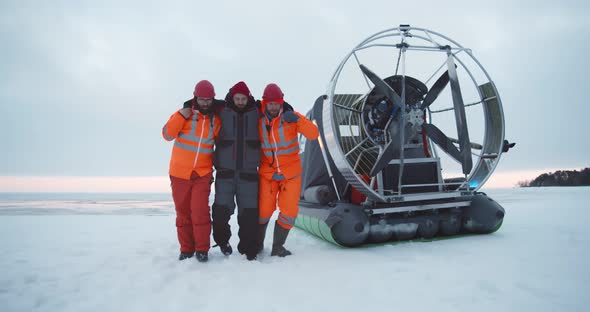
(416, 117)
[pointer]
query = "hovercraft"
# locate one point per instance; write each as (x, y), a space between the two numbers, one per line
(396, 159)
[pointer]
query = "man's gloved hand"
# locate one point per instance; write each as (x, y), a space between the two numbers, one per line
(290, 116)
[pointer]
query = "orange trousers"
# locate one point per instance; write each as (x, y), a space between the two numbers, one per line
(286, 193)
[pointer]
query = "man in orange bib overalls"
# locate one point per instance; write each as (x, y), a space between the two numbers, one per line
(280, 167)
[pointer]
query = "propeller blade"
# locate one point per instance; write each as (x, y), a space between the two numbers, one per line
(438, 137)
(436, 89)
(392, 149)
(473, 145)
(464, 144)
(383, 87)
(389, 151)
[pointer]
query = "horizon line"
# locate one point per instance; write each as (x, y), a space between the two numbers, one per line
(161, 184)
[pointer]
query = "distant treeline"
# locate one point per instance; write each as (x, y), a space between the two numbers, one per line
(560, 178)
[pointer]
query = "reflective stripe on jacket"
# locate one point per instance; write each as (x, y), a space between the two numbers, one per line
(193, 143)
(280, 146)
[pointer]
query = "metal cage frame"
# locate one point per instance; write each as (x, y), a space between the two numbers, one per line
(491, 150)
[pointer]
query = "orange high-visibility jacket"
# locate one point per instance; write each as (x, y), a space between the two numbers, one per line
(193, 143)
(280, 146)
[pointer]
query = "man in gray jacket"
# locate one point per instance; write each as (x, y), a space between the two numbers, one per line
(236, 159)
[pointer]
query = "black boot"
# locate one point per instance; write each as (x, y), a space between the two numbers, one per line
(261, 235)
(202, 256)
(185, 255)
(279, 238)
(226, 249)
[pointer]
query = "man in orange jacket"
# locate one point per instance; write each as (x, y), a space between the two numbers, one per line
(193, 129)
(280, 166)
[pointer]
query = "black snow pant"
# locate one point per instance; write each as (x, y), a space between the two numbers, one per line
(243, 186)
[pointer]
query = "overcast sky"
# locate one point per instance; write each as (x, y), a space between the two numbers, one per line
(86, 86)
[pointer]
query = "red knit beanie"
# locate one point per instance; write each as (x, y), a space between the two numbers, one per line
(240, 88)
(204, 89)
(272, 93)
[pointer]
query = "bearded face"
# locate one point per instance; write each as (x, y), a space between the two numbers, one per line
(240, 100)
(273, 108)
(204, 105)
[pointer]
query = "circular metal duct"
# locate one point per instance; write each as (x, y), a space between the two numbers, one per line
(367, 130)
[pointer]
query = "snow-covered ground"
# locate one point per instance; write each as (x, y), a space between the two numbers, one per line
(87, 252)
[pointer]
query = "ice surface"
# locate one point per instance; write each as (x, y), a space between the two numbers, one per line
(87, 252)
